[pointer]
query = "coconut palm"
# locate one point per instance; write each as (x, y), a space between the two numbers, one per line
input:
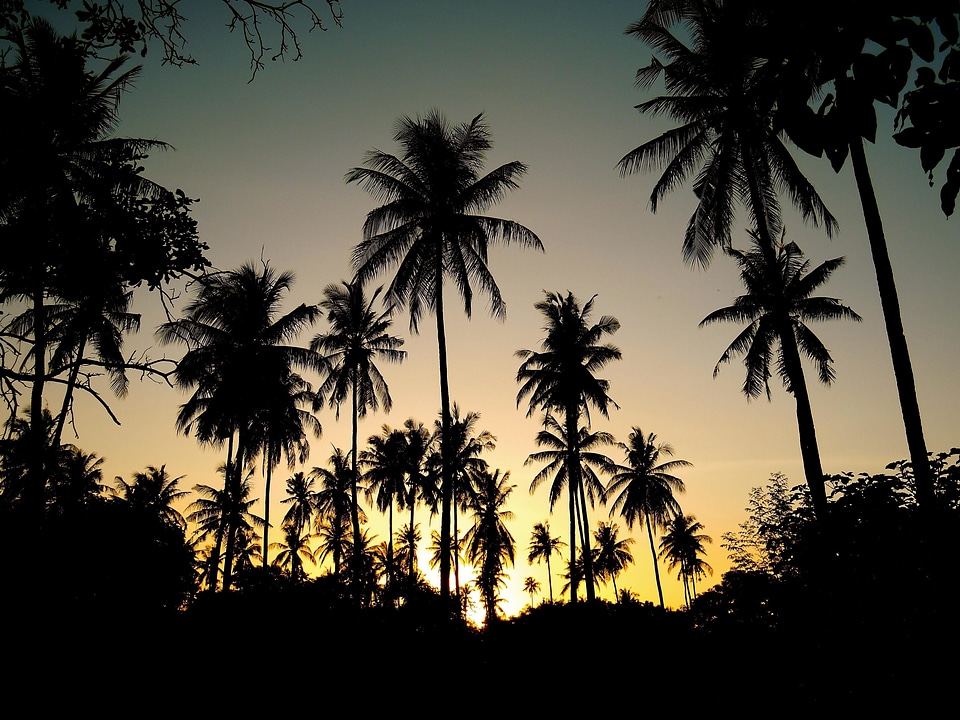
(722, 94)
(542, 547)
(240, 366)
(302, 499)
(334, 500)
(611, 554)
(155, 491)
(587, 462)
(357, 338)
(682, 547)
(560, 378)
(293, 551)
(384, 463)
(333, 534)
(531, 586)
(419, 481)
(430, 229)
(777, 305)
(489, 545)
(645, 488)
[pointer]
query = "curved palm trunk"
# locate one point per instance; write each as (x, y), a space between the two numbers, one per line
(232, 525)
(549, 579)
(357, 569)
(809, 450)
(266, 504)
(446, 486)
(577, 492)
(587, 551)
(890, 303)
(68, 393)
(572, 500)
(656, 565)
(390, 578)
(35, 487)
(411, 564)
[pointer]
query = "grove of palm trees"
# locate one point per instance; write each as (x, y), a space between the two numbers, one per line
(324, 461)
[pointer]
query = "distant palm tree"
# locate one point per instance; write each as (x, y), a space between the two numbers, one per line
(334, 539)
(542, 547)
(77, 481)
(489, 545)
(611, 555)
(293, 551)
(572, 467)
(429, 229)
(155, 491)
(420, 484)
(407, 539)
(334, 500)
(531, 586)
(358, 337)
(234, 335)
(384, 463)
(682, 547)
(645, 488)
(776, 307)
(302, 499)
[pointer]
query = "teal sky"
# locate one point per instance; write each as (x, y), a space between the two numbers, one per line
(555, 81)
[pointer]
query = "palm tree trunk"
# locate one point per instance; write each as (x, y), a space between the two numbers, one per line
(68, 393)
(656, 566)
(549, 578)
(357, 568)
(35, 487)
(890, 303)
(809, 449)
(446, 486)
(585, 538)
(234, 482)
(573, 482)
(266, 501)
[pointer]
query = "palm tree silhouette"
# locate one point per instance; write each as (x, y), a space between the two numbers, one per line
(293, 551)
(153, 490)
(645, 488)
(561, 378)
(489, 545)
(611, 555)
(542, 547)
(240, 367)
(384, 463)
(302, 499)
(430, 229)
(776, 307)
(723, 98)
(531, 586)
(334, 499)
(558, 458)
(682, 546)
(358, 337)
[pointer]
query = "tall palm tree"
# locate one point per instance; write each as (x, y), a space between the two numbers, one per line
(155, 491)
(542, 547)
(358, 337)
(611, 554)
(240, 365)
(489, 545)
(723, 95)
(645, 488)
(430, 228)
(560, 378)
(777, 305)
(682, 547)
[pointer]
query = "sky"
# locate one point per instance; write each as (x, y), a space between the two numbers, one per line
(555, 81)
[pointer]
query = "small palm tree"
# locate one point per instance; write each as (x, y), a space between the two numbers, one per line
(293, 551)
(542, 547)
(645, 488)
(430, 229)
(489, 545)
(682, 547)
(384, 463)
(611, 555)
(334, 500)
(302, 499)
(531, 586)
(153, 490)
(776, 307)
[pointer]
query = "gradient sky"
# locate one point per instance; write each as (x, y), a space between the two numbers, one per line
(555, 80)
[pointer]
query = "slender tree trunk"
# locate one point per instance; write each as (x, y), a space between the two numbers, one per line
(35, 488)
(587, 552)
(412, 549)
(890, 303)
(573, 478)
(656, 565)
(357, 563)
(809, 449)
(549, 577)
(266, 502)
(446, 486)
(68, 393)
(233, 498)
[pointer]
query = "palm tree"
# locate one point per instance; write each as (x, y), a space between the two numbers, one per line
(294, 550)
(155, 491)
(407, 539)
(560, 377)
(723, 95)
(419, 482)
(465, 446)
(334, 536)
(240, 367)
(588, 461)
(430, 229)
(358, 337)
(645, 488)
(682, 547)
(531, 586)
(611, 555)
(542, 547)
(777, 305)
(385, 474)
(69, 204)
(302, 499)
(334, 499)
(489, 545)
